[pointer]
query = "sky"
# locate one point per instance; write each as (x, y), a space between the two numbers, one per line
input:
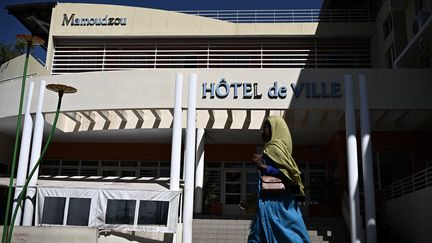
(10, 26)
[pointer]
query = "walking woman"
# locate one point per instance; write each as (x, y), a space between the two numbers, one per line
(278, 217)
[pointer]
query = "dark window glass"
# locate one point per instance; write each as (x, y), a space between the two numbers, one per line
(153, 212)
(90, 163)
(213, 165)
(232, 199)
(79, 211)
(129, 163)
(252, 177)
(69, 171)
(148, 173)
(109, 173)
(149, 164)
(53, 210)
(120, 212)
(164, 173)
(127, 173)
(110, 163)
(232, 188)
(251, 188)
(233, 165)
(49, 170)
(232, 176)
(70, 162)
(51, 162)
(89, 172)
(164, 164)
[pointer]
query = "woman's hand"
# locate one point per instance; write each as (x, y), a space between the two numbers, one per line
(257, 158)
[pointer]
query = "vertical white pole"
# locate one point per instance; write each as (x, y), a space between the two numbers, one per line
(366, 150)
(177, 135)
(35, 153)
(184, 156)
(24, 154)
(354, 202)
(199, 175)
(190, 162)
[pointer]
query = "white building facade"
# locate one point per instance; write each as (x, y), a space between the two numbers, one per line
(111, 162)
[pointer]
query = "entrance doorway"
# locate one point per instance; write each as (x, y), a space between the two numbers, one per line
(239, 183)
(233, 182)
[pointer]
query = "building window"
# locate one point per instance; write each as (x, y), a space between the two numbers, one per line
(105, 168)
(79, 211)
(153, 212)
(120, 212)
(108, 208)
(389, 56)
(53, 210)
(387, 26)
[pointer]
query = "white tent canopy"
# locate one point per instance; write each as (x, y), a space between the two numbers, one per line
(135, 206)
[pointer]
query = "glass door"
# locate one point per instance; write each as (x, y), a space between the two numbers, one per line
(233, 191)
(239, 183)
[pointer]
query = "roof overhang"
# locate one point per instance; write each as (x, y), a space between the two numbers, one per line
(36, 17)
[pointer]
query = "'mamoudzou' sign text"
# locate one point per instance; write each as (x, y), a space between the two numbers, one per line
(93, 21)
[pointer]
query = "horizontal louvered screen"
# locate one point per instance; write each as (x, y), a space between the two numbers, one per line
(86, 55)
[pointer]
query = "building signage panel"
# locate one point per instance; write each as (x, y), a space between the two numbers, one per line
(246, 90)
(92, 21)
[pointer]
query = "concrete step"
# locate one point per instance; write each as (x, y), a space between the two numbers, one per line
(321, 230)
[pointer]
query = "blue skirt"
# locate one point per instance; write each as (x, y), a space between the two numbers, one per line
(278, 220)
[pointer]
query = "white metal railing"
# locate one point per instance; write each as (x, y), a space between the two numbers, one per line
(285, 16)
(122, 54)
(415, 182)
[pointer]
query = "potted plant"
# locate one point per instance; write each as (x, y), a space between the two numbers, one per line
(212, 205)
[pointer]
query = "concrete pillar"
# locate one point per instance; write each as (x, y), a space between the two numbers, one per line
(366, 152)
(24, 154)
(353, 187)
(176, 135)
(199, 171)
(35, 154)
(184, 156)
(190, 162)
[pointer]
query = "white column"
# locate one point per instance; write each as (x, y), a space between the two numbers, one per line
(199, 171)
(24, 153)
(35, 154)
(353, 187)
(184, 156)
(176, 135)
(190, 162)
(366, 150)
